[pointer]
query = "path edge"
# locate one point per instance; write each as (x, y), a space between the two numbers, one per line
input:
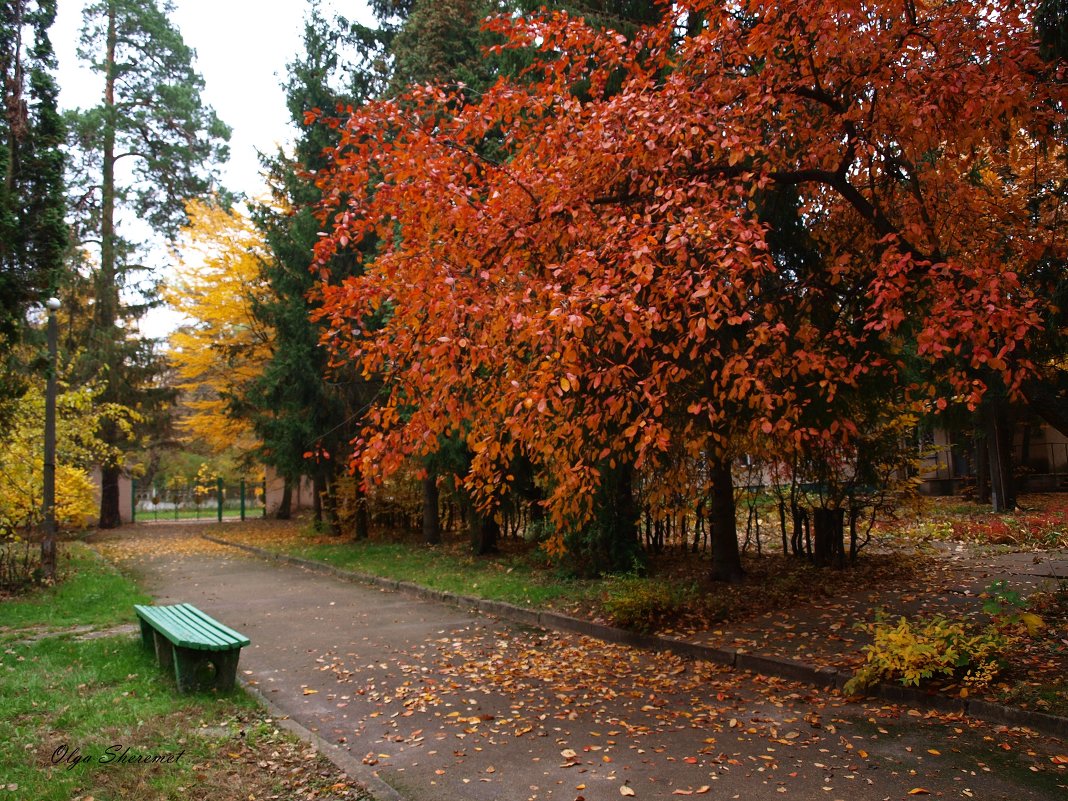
(740, 659)
(369, 781)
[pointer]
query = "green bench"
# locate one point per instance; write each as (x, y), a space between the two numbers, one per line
(202, 651)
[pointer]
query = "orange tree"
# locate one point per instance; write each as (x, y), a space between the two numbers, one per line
(613, 287)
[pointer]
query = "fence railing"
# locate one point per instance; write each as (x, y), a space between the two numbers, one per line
(193, 500)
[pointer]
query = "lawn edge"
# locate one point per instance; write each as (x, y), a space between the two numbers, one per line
(757, 663)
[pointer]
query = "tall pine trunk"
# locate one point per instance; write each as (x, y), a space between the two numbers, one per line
(107, 292)
(285, 506)
(110, 516)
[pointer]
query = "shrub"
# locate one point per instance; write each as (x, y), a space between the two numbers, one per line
(645, 605)
(1009, 611)
(913, 651)
(20, 567)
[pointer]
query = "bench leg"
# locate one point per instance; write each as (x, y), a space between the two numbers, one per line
(148, 636)
(164, 651)
(205, 670)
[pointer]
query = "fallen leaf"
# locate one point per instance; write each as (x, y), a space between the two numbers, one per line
(625, 790)
(919, 791)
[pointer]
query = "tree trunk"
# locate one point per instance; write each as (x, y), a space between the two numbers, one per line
(105, 307)
(285, 506)
(318, 489)
(828, 527)
(109, 498)
(698, 526)
(1049, 400)
(799, 541)
(613, 543)
(330, 512)
(361, 521)
(999, 436)
(982, 468)
(431, 521)
(782, 528)
(484, 532)
(726, 558)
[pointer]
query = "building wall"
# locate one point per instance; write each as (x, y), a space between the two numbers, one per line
(1040, 457)
(303, 493)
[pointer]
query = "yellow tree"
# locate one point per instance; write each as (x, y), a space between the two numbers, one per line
(79, 420)
(222, 345)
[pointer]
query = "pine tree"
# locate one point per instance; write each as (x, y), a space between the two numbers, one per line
(148, 147)
(33, 233)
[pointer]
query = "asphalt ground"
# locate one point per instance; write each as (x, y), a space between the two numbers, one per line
(429, 701)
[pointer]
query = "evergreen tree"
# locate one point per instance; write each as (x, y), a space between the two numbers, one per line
(304, 417)
(33, 234)
(150, 145)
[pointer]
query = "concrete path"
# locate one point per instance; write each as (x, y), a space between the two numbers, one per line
(445, 705)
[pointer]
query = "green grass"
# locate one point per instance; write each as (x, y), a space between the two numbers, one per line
(90, 593)
(508, 577)
(64, 702)
(59, 694)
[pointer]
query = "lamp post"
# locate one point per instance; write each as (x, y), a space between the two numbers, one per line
(48, 534)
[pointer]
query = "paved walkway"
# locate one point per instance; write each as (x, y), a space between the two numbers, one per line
(441, 704)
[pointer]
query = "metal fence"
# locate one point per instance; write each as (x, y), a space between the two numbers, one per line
(194, 500)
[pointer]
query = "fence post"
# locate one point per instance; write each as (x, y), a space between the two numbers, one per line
(133, 500)
(242, 500)
(219, 496)
(265, 495)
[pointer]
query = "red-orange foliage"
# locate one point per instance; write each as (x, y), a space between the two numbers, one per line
(583, 276)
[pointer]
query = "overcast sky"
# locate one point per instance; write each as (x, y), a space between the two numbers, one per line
(242, 47)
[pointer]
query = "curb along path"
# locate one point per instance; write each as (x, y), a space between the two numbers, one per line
(762, 664)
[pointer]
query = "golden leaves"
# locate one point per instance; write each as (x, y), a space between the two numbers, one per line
(217, 280)
(157, 541)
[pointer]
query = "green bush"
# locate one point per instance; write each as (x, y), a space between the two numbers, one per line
(644, 604)
(913, 651)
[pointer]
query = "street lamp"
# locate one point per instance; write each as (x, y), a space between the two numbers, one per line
(48, 535)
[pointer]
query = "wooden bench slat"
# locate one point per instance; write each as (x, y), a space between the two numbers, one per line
(212, 630)
(199, 627)
(188, 627)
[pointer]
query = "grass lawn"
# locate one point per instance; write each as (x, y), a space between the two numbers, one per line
(70, 708)
(90, 593)
(519, 574)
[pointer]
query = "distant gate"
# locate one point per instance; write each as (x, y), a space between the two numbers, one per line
(193, 500)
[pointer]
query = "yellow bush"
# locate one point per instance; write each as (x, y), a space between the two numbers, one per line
(912, 651)
(77, 445)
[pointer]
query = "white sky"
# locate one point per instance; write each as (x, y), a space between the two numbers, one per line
(242, 47)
